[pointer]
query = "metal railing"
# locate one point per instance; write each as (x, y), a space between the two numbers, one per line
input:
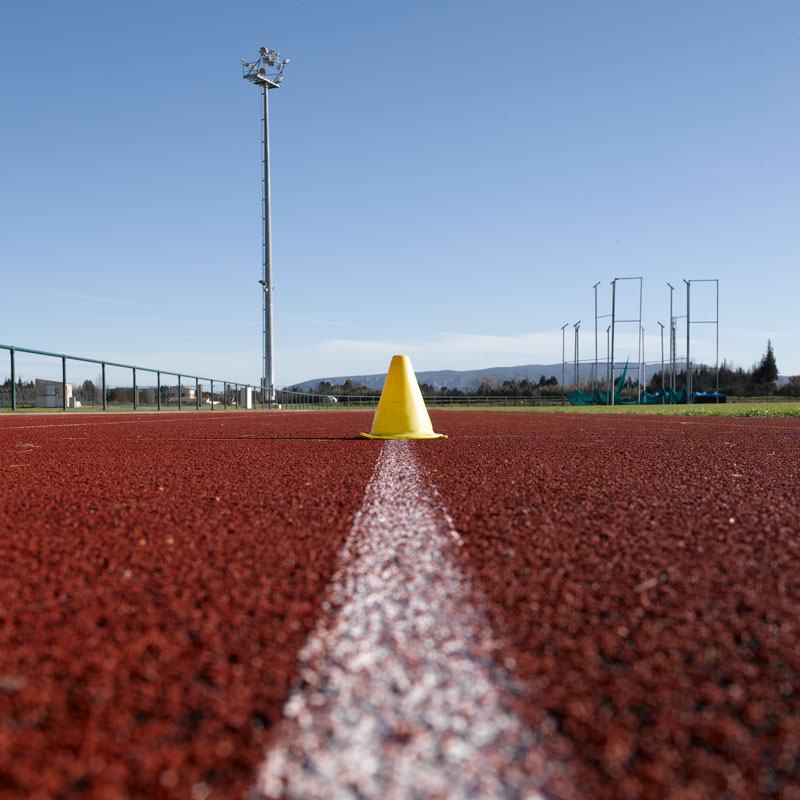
(182, 395)
(163, 395)
(309, 400)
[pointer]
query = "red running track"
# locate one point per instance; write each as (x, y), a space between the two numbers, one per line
(159, 575)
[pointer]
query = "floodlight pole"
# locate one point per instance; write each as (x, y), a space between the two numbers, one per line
(267, 73)
(563, 359)
(577, 327)
(608, 360)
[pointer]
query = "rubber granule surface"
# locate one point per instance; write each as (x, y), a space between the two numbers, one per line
(645, 573)
(160, 574)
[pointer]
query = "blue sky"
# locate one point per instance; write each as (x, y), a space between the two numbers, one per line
(449, 179)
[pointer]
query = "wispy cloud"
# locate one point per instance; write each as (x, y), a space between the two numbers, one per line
(143, 317)
(531, 346)
(233, 325)
(322, 322)
(72, 295)
(428, 350)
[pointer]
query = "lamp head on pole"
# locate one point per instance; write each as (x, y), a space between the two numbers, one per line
(266, 70)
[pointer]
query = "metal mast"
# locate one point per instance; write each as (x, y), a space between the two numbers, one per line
(688, 352)
(266, 72)
(594, 373)
(563, 360)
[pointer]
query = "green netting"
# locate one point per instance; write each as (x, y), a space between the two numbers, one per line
(598, 398)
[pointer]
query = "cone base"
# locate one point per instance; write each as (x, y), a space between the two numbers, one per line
(403, 435)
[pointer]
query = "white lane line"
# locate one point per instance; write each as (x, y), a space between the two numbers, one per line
(140, 418)
(401, 695)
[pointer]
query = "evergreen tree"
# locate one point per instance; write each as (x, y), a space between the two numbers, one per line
(766, 373)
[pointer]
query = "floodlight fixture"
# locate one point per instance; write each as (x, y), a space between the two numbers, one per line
(266, 70)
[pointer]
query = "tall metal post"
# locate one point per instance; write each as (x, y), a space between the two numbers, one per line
(594, 374)
(197, 393)
(608, 361)
(63, 383)
(613, 319)
(267, 73)
(671, 340)
(662, 363)
(717, 395)
(105, 388)
(135, 394)
(642, 376)
(180, 399)
(714, 321)
(688, 334)
(674, 354)
(576, 373)
(158, 390)
(563, 360)
(13, 382)
(643, 371)
(212, 395)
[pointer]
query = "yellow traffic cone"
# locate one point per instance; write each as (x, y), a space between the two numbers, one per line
(401, 412)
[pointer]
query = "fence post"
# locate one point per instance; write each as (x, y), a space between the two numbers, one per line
(180, 401)
(158, 389)
(105, 392)
(63, 383)
(13, 383)
(225, 394)
(197, 393)
(236, 396)
(212, 395)
(135, 393)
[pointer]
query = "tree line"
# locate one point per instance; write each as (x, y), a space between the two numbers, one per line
(489, 387)
(758, 381)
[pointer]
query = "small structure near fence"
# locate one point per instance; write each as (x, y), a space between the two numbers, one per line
(187, 394)
(50, 394)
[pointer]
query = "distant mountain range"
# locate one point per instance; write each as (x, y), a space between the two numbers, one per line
(472, 378)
